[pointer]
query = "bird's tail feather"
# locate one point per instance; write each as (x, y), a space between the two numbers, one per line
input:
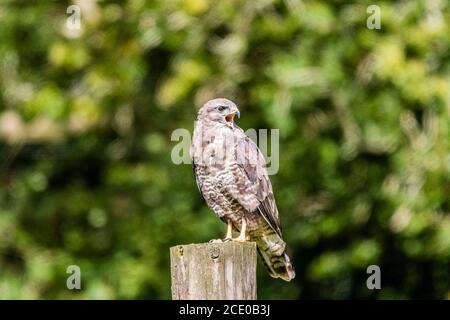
(276, 261)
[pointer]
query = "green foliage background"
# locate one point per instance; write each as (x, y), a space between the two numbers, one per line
(86, 117)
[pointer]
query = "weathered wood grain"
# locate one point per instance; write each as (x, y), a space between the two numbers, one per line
(214, 271)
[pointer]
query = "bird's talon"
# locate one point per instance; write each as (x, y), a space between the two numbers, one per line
(227, 239)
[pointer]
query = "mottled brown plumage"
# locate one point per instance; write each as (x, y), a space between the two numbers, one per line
(231, 175)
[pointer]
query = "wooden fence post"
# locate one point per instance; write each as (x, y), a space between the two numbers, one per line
(214, 271)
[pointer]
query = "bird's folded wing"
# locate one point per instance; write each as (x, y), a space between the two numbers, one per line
(253, 189)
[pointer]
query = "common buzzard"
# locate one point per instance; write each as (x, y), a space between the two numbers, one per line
(231, 175)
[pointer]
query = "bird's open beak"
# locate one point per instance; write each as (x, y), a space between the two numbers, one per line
(230, 117)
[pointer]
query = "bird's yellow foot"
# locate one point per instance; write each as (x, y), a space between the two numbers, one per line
(229, 235)
(242, 236)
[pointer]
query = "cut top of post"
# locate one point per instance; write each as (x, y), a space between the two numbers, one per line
(222, 270)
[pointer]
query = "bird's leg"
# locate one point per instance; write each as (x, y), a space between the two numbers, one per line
(229, 235)
(242, 237)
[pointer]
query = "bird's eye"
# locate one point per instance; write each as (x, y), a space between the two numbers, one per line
(221, 108)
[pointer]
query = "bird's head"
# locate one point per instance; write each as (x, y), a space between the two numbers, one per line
(219, 110)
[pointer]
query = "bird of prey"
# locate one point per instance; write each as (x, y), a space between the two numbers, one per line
(231, 175)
